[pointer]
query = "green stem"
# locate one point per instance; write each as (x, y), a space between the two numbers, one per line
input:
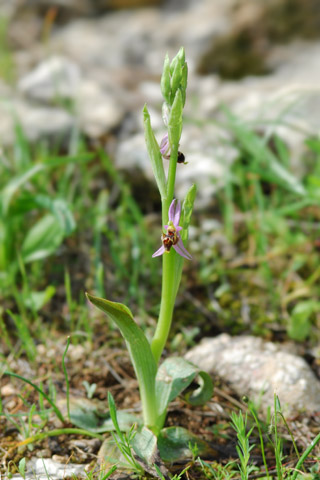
(59, 431)
(166, 309)
(168, 294)
(171, 179)
(55, 408)
(305, 455)
(252, 410)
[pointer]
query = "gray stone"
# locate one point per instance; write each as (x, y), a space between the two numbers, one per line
(37, 121)
(111, 65)
(53, 79)
(96, 110)
(259, 369)
(43, 468)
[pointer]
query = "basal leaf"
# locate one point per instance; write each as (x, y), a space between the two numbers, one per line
(147, 453)
(173, 377)
(203, 393)
(144, 444)
(139, 350)
(176, 444)
(154, 154)
(84, 414)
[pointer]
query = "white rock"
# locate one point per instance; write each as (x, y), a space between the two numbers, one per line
(259, 369)
(43, 468)
(37, 122)
(53, 79)
(96, 110)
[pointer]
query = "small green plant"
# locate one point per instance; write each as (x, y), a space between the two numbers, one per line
(239, 423)
(102, 475)
(123, 440)
(159, 385)
(90, 388)
(22, 467)
(216, 471)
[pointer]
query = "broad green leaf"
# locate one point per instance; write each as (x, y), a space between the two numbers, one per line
(175, 375)
(178, 444)
(154, 154)
(144, 444)
(139, 350)
(17, 182)
(203, 393)
(84, 414)
(42, 239)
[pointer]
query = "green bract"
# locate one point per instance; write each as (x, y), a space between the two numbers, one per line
(154, 154)
(165, 80)
(139, 350)
(175, 120)
(187, 208)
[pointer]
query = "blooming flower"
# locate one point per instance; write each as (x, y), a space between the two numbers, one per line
(172, 236)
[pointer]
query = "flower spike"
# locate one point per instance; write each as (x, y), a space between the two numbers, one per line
(172, 236)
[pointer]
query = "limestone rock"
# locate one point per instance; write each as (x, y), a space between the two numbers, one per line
(42, 468)
(259, 369)
(54, 78)
(37, 121)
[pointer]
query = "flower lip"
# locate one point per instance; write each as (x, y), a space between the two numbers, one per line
(172, 236)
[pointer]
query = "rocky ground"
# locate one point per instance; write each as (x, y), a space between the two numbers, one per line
(88, 67)
(92, 70)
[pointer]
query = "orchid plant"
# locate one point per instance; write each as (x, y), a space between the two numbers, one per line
(159, 385)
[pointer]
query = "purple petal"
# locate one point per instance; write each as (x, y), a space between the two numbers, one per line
(179, 248)
(159, 252)
(175, 212)
(164, 145)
